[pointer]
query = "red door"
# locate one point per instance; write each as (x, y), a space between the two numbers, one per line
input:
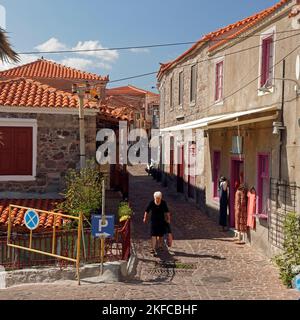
(180, 170)
(237, 178)
(192, 171)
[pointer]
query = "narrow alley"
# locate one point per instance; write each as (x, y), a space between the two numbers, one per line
(207, 264)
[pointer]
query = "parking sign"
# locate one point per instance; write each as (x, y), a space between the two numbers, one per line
(107, 230)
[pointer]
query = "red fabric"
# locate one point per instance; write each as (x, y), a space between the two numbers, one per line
(251, 211)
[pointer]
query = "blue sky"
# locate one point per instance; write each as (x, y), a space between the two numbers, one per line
(35, 25)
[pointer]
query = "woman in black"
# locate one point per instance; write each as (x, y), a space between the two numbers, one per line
(159, 216)
(224, 199)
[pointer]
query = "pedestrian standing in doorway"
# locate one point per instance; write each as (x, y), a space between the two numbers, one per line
(224, 197)
(159, 216)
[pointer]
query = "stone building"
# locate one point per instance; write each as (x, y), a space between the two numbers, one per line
(144, 104)
(39, 137)
(228, 87)
(39, 126)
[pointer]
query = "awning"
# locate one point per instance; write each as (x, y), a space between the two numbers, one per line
(224, 120)
(192, 125)
(234, 119)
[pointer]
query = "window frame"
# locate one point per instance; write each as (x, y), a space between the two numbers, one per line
(193, 84)
(260, 178)
(31, 123)
(171, 94)
(219, 85)
(270, 33)
(180, 88)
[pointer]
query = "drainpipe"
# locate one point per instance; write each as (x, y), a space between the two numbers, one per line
(282, 121)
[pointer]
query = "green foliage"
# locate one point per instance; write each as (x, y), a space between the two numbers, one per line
(83, 190)
(124, 211)
(290, 258)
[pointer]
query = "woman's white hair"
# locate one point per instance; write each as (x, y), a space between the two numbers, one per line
(157, 194)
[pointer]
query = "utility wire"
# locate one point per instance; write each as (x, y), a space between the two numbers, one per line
(146, 46)
(197, 62)
(240, 89)
(204, 60)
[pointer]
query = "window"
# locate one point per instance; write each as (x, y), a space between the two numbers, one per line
(263, 184)
(180, 91)
(219, 81)
(216, 172)
(17, 148)
(267, 61)
(171, 93)
(193, 84)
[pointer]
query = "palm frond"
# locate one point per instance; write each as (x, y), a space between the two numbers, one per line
(7, 54)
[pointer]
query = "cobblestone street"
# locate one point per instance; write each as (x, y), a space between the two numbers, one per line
(218, 267)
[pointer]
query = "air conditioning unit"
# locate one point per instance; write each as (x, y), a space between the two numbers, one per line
(237, 145)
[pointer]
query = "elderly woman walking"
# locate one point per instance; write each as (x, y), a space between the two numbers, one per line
(159, 216)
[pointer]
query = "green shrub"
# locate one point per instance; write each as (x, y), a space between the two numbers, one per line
(124, 211)
(290, 258)
(83, 190)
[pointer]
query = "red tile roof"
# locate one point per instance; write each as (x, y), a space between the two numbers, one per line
(118, 108)
(17, 215)
(43, 68)
(29, 93)
(129, 90)
(229, 32)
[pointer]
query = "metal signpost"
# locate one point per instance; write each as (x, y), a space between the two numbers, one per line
(103, 227)
(32, 221)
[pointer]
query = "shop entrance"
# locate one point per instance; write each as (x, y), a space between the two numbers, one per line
(237, 178)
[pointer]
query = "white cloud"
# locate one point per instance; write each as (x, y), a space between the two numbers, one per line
(105, 55)
(78, 63)
(52, 44)
(139, 50)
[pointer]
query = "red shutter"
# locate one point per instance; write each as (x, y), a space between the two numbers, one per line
(267, 57)
(17, 151)
(219, 81)
(6, 151)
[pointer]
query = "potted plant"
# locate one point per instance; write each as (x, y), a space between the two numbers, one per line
(124, 212)
(83, 191)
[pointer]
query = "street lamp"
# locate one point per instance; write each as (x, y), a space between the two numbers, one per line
(266, 88)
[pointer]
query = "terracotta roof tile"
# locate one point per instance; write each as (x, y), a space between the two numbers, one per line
(17, 215)
(29, 93)
(129, 90)
(228, 32)
(42, 68)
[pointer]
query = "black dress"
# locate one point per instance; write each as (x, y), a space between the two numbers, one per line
(223, 206)
(158, 221)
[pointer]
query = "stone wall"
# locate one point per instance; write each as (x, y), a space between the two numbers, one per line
(57, 150)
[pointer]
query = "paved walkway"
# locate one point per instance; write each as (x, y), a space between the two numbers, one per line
(209, 264)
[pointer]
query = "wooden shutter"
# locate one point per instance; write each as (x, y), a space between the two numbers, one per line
(219, 81)
(267, 60)
(6, 151)
(17, 153)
